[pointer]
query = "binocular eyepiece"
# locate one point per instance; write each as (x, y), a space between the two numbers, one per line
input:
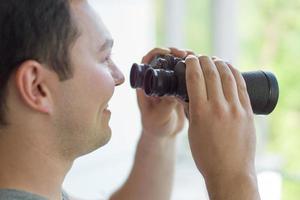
(165, 76)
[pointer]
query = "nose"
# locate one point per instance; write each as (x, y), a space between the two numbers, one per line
(118, 76)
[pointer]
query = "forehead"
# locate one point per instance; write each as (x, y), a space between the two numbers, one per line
(88, 22)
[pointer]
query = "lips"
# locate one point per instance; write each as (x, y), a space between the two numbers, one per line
(106, 108)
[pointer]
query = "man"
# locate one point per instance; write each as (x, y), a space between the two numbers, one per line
(56, 80)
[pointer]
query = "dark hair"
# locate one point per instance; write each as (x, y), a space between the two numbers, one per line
(41, 30)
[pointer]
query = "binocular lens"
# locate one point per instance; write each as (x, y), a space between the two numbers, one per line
(159, 82)
(263, 91)
(137, 75)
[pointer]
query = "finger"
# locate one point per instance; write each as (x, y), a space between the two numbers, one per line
(212, 79)
(183, 103)
(181, 114)
(229, 85)
(154, 52)
(190, 52)
(168, 101)
(241, 88)
(185, 109)
(143, 100)
(178, 53)
(195, 82)
(164, 105)
(180, 111)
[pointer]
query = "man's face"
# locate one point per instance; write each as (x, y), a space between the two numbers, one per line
(82, 117)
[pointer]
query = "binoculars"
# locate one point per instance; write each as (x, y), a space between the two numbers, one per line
(165, 76)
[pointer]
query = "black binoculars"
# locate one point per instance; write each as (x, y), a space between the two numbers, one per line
(165, 76)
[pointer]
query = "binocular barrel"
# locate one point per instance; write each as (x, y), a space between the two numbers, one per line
(262, 87)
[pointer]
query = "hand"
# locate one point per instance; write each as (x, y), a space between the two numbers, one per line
(161, 116)
(221, 128)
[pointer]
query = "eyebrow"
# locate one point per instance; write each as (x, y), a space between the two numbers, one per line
(108, 44)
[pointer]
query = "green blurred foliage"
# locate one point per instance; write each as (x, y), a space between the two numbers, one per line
(269, 32)
(270, 37)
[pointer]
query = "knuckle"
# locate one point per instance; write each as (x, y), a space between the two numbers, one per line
(220, 110)
(195, 76)
(235, 71)
(249, 114)
(197, 113)
(240, 113)
(211, 74)
(145, 59)
(236, 111)
(226, 112)
(195, 116)
(156, 49)
(228, 78)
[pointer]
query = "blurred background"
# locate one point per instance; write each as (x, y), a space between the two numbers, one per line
(251, 34)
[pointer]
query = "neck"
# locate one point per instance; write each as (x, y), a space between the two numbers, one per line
(30, 165)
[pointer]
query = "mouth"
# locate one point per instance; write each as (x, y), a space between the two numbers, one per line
(106, 109)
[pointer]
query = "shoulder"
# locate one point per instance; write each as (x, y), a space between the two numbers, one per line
(74, 198)
(70, 197)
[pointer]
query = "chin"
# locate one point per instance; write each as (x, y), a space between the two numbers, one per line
(98, 141)
(107, 138)
(103, 137)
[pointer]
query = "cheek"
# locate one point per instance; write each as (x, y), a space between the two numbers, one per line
(83, 103)
(103, 85)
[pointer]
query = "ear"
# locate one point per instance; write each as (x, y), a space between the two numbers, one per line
(31, 82)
